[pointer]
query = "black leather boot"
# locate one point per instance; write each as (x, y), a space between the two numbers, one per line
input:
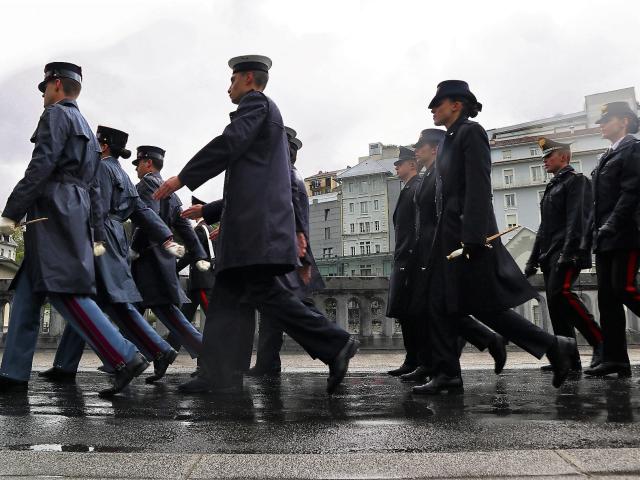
(124, 375)
(161, 364)
(498, 350)
(561, 356)
(340, 364)
(440, 383)
(420, 375)
(56, 374)
(609, 368)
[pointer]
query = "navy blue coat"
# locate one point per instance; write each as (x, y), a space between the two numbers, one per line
(492, 281)
(257, 226)
(616, 197)
(292, 280)
(404, 225)
(155, 271)
(199, 280)
(58, 184)
(120, 201)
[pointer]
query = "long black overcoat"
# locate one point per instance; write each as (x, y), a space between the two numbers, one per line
(257, 227)
(155, 270)
(120, 201)
(59, 184)
(491, 281)
(404, 226)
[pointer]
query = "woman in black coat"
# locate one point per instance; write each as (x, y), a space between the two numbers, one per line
(483, 282)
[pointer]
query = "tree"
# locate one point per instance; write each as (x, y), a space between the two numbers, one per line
(18, 237)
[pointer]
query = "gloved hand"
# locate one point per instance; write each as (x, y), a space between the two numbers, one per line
(203, 265)
(98, 249)
(472, 250)
(7, 226)
(133, 255)
(530, 270)
(173, 248)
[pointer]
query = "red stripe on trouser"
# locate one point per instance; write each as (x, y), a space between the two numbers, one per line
(149, 344)
(632, 269)
(204, 300)
(106, 349)
(186, 333)
(578, 307)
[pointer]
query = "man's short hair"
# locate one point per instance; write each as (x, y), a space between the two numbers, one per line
(70, 87)
(260, 78)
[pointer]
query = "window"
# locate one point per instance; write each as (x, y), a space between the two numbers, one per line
(327, 233)
(353, 250)
(351, 208)
(352, 228)
(376, 205)
(376, 225)
(363, 187)
(577, 165)
(512, 220)
(364, 207)
(377, 248)
(368, 246)
(534, 151)
(367, 227)
(537, 175)
(365, 270)
(327, 252)
(507, 175)
(506, 154)
(374, 185)
(535, 315)
(1, 252)
(361, 248)
(327, 182)
(361, 227)
(326, 214)
(509, 200)
(350, 187)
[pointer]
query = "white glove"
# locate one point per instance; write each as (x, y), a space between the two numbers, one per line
(98, 249)
(203, 265)
(174, 248)
(7, 226)
(133, 255)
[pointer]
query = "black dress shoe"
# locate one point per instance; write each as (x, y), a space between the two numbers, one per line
(596, 357)
(440, 383)
(498, 350)
(56, 374)
(105, 369)
(197, 384)
(125, 375)
(9, 385)
(420, 375)
(260, 371)
(340, 364)
(161, 364)
(609, 368)
(404, 368)
(547, 368)
(561, 355)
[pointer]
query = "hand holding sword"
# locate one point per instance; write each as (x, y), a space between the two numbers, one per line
(460, 251)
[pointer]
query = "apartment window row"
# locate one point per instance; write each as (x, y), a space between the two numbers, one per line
(364, 186)
(364, 227)
(327, 252)
(364, 248)
(364, 207)
(537, 173)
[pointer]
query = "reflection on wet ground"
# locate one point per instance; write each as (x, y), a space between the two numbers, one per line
(371, 413)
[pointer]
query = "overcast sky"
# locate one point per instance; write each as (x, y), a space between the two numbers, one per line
(345, 73)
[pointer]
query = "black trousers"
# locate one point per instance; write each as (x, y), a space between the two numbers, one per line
(617, 288)
(198, 298)
(566, 310)
(228, 331)
(413, 338)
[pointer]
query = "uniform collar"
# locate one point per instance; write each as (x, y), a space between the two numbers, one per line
(69, 102)
(561, 173)
(623, 141)
(451, 131)
(153, 174)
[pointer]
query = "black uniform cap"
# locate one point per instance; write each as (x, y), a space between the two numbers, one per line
(116, 139)
(247, 63)
(549, 146)
(405, 155)
(454, 89)
(619, 109)
(432, 136)
(148, 152)
(60, 70)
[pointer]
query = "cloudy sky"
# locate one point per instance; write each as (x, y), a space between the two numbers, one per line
(345, 72)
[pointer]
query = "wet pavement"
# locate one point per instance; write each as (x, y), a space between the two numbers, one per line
(371, 413)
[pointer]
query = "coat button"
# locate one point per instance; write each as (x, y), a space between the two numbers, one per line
(423, 268)
(402, 269)
(411, 250)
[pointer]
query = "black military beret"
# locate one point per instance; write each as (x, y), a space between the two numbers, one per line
(60, 70)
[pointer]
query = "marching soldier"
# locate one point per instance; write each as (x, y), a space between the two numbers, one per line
(59, 252)
(564, 213)
(116, 290)
(302, 282)
(154, 271)
(483, 282)
(616, 234)
(417, 304)
(257, 239)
